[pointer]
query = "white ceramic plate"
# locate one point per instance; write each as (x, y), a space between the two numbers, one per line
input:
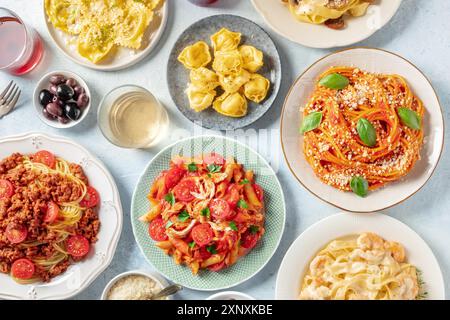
(372, 60)
(306, 246)
(278, 16)
(79, 275)
(122, 57)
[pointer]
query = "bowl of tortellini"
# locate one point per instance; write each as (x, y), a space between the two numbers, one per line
(224, 72)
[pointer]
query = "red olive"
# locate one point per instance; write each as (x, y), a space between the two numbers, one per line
(82, 101)
(57, 79)
(54, 109)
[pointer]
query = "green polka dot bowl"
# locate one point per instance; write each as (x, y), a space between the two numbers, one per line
(246, 267)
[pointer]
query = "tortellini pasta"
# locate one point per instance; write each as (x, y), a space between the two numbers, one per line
(195, 56)
(225, 40)
(256, 89)
(253, 58)
(199, 99)
(231, 105)
(234, 82)
(227, 62)
(232, 76)
(102, 24)
(204, 78)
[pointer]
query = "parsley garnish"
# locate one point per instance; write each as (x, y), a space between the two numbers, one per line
(169, 224)
(206, 212)
(170, 198)
(242, 204)
(254, 229)
(233, 226)
(183, 216)
(211, 249)
(213, 168)
(191, 244)
(244, 181)
(192, 167)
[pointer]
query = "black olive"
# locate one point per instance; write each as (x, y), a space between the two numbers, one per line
(71, 111)
(45, 97)
(64, 92)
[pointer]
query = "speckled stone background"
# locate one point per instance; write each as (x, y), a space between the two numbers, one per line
(419, 32)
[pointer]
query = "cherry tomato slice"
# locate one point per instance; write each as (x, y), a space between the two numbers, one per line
(6, 189)
(217, 267)
(174, 176)
(259, 191)
(22, 269)
(213, 158)
(46, 158)
(78, 246)
(16, 233)
(157, 230)
(52, 212)
(91, 199)
(249, 240)
(202, 234)
(182, 190)
(220, 209)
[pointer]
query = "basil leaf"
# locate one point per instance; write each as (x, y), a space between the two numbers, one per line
(170, 198)
(334, 81)
(244, 181)
(169, 224)
(242, 204)
(192, 167)
(254, 229)
(311, 121)
(211, 249)
(213, 168)
(183, 216)
(233, 226)
(409, 118)
(366, 132)
(206, 212)
(191, 244)
(360, 186)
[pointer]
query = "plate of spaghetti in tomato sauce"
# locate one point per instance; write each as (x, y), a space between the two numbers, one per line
(362, 129)
(60, 217)
(208, 212)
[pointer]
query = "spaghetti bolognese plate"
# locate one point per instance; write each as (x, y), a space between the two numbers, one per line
(63, 217)
(355, 111)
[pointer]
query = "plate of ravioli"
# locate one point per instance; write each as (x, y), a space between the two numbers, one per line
(224, 72)
(105, 34)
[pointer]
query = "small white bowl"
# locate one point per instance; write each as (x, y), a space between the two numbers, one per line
(44, 83)
(152, 275)
(230, 295)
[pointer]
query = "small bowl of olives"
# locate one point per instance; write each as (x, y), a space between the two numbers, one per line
(62, 99)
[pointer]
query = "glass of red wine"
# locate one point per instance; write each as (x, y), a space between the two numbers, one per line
(21, 48)
(203, 3)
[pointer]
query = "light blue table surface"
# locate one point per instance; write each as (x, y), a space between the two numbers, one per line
(419, 32)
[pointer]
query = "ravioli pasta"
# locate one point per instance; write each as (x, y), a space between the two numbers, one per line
(231, 78)
(361, 267)
(102, 24)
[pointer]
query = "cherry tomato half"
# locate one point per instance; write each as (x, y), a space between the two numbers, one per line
(183, 190)
(259, 191)
(46, 158)
(249, 240)
(220, 209)
(202, 234)
(51, 213)
(174, 176)
(16, 233)
(6, 189)
(78, 246)
(22, 269)
(157, 230)
(232, 196)
(91, 199)
(213, 158)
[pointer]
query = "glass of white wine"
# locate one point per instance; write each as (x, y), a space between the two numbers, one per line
(130, 116)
